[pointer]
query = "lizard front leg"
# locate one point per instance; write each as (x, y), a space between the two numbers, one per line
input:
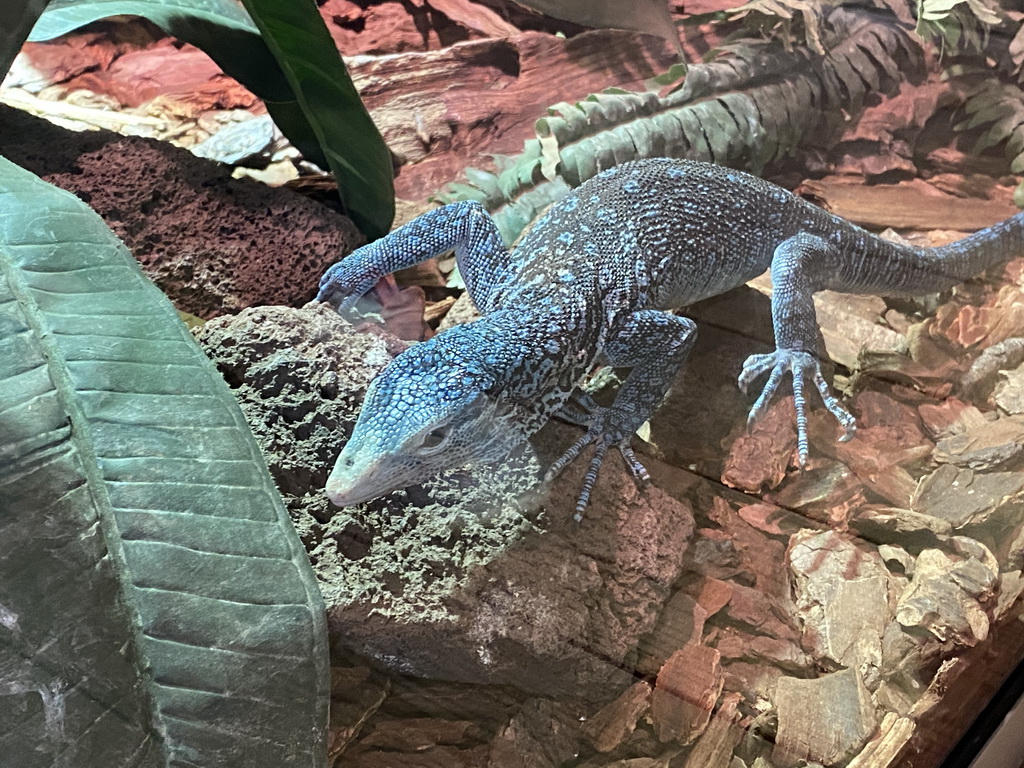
(655, 345)
(799, 268)
(465, 227)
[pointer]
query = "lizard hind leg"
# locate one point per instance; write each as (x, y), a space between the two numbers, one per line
(801, 265)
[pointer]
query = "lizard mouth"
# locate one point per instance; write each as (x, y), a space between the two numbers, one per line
(347, 486)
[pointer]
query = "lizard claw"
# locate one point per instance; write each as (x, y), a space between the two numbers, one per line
(801, 365)
(342, 287)
(604, 434)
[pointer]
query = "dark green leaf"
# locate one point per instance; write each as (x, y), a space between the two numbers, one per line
(19, 16)
(355, 151)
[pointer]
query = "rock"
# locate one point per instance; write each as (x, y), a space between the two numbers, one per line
(452, 581)
(213, 244)
(945, 595)
(685, 693)
(842, 597)
(824, 720)
(985, 446)
(616, 721)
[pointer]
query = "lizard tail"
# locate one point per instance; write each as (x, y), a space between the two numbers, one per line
(947, 265)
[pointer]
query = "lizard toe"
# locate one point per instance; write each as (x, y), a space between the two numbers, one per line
(804, 369)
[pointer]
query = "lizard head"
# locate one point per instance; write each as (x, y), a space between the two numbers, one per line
(434, 408)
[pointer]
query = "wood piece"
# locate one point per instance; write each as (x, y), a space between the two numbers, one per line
(543, 734)
(715, 746)
(735, 644)
(824, 720)
(841, 594)
(680, 623)
(985, 446)
(945, 597)
(965, 497)
(881, 751)
(616, 721)
(758, 458)
(713, 594)
(949, 417)
(417, 734)
(913, 205)
(444, 110)
(983, 323)
(685, 693)
(475, 16)
(983, 374)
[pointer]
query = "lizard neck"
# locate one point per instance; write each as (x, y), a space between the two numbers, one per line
(536, 358)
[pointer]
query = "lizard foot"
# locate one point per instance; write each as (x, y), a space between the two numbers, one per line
(342, 287)
(603, 431)
(802, 365)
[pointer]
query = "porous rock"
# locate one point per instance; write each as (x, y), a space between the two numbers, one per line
(461, 579)
(214, 244)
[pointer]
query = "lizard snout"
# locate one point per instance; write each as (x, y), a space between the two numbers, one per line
(352, 482)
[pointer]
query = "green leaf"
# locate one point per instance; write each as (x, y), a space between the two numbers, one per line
(156, 605)
(294, 67)
(63, 16)
(355, 150)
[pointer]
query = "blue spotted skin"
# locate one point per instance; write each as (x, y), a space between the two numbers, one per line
(591, 283)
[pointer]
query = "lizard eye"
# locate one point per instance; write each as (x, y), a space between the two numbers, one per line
(435, 438)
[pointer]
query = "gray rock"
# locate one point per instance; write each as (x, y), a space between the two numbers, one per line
(473, 577)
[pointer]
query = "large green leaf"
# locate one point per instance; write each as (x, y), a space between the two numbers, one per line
(156, 605)
(294, 67)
